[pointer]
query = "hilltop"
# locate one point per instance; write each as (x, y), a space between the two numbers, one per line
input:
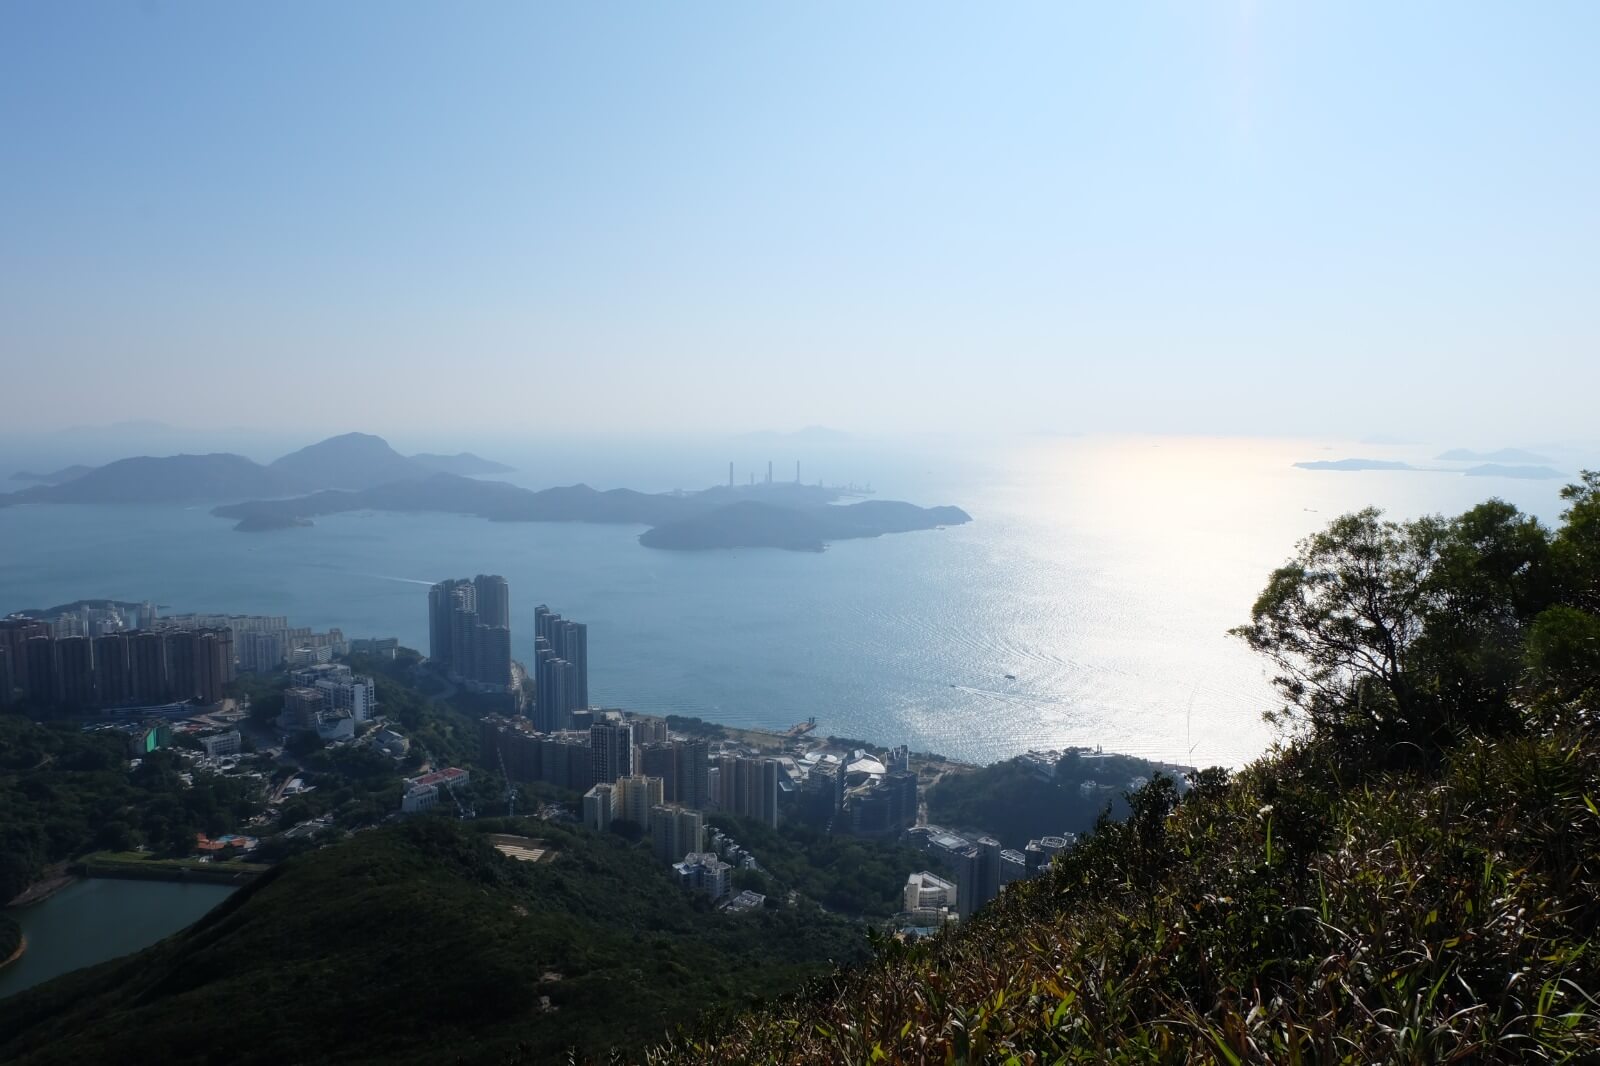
(349, 461)
(420, 943)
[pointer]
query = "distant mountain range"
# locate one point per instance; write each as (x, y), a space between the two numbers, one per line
(1504, 455)
(1530, 473)
(351, 461)
(1354, 464)
(1536, 473)
(361, 472)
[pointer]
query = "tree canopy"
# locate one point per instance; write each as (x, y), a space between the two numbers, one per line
(1420, 631)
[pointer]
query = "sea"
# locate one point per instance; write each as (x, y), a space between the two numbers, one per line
(1088, 602)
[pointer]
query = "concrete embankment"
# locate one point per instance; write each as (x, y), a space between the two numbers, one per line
(229, 874)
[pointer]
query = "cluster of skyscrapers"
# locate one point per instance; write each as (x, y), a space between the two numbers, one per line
(137, 668)
(469, 631)
(606, 747)
(560, 669)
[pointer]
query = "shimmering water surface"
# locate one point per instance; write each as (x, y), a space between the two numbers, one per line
(1102, 573)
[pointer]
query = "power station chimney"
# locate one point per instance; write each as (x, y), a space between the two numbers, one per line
(769, 471)
(730, 473)
(797, 471)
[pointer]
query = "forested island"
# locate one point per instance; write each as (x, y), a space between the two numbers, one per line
(779, 515)
(361, 472)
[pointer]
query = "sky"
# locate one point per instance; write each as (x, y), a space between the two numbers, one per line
(1193, 216)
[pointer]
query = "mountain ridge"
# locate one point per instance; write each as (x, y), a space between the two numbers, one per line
(347, 461)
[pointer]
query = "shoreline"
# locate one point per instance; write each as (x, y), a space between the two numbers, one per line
(15, 955)
(42, 890)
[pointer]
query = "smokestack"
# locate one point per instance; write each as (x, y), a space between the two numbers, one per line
(769, 471)
(797, 471)
(730, 473)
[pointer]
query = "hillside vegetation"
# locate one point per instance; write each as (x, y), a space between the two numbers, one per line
(64, 792)
(1414, 876)
(421, 944)
(1013, 802)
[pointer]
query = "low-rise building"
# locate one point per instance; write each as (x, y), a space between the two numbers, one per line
(219, 744)
(745, 901)
(392, 743)
(703, 872)
(449, 777)
(146, 737)
(927, 891)
(419, 798)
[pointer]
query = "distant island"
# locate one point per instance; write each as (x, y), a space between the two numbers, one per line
(756, 524)
(1531, 473)
(1354, 464)
(1534, 473)
(349, 461)
(776, 515)
(361, 472)
(1503, 455)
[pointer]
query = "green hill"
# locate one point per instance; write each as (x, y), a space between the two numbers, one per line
(420, 943)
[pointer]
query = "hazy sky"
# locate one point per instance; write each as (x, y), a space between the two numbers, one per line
(1227, 217)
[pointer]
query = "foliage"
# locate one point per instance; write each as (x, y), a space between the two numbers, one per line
(1418, 916)
(448, 733)
(850, 875)
(419, 943)
(695, 727)
(1388, 635)
(64, 792)
(1015, 803)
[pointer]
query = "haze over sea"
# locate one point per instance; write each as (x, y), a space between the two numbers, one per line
(1101, 573)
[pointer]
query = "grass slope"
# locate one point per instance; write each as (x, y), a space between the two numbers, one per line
(1446, 915)
(419, 943)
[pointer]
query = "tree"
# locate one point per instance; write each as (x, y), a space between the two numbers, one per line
(1490, 578)
(115, 836)
(1563, 655)
(1408, 631)
(1339, 618)
(1577, 545)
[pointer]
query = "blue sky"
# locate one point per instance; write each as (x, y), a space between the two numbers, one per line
(1219, 217)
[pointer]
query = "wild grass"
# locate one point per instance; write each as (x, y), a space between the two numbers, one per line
(1286, 916)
